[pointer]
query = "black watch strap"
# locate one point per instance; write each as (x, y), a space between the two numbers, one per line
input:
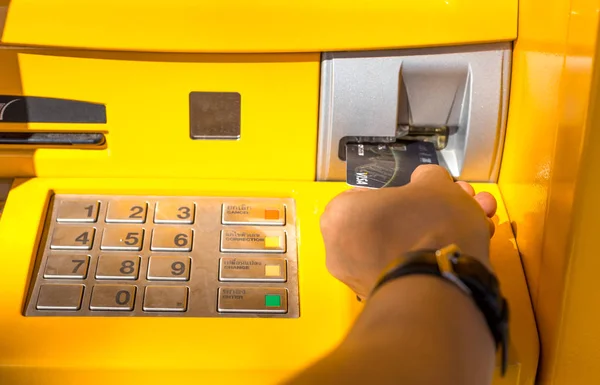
(470, 276)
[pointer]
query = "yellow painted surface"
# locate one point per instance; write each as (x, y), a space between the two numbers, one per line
(578, 337)
(258, 25)
(551, 78)
(147, 100)
(60, 350)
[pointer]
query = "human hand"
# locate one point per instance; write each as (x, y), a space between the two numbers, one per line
(364, 230)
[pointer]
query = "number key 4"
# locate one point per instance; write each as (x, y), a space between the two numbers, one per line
(72, 237)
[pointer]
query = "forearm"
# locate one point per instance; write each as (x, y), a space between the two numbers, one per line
(415, 330)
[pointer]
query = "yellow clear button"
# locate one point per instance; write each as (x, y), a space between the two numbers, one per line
(253, 240)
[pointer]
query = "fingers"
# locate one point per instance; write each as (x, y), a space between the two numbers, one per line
(487, 202)
(491, 226)
(467, 187)
(430, 174)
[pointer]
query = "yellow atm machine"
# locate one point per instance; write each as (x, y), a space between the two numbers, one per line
(165, 165)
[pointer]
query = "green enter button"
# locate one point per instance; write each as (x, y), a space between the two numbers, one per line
(273, 300)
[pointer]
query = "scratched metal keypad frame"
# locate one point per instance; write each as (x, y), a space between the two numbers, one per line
(203, 285)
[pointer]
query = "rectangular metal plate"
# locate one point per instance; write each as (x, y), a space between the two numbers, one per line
(120, 285)
(215, 115)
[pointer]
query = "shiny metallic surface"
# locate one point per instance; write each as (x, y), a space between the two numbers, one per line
(197, 269)
(165, 298)
(72, 237)
(243, 299)
(259, 269)
(67, 266)
(175, 211)
(253, 240)
(113, 297)
(169, 268)
(59, 297)
(368, 94)
(172, 238)
(118, 267)
(253, 214)
(78, 211)
(127, 211)
(122, 237)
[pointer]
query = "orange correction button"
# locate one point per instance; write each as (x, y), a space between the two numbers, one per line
(253, 240)
(253, 214)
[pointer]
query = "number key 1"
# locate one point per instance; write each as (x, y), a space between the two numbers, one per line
(78, 211)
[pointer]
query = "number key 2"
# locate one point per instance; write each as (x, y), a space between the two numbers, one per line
(127, 211)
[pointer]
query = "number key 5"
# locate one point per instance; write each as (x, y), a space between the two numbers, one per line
(122, 238)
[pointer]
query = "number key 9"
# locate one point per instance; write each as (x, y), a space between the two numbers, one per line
(175, 268)
(127, 211)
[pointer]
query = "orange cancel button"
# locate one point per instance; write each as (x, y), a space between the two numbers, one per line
(253, 214)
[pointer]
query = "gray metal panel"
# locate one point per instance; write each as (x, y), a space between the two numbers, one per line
(203, 283)
(368, 94)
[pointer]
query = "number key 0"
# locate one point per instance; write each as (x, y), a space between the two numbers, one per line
(127, 211)
(171, 238)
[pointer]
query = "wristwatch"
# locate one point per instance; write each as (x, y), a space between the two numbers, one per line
(469, 275)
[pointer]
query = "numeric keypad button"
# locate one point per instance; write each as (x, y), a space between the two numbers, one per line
(60, 297)
(72, 237)
(68, 266)
(169, 268)
(174, 211)
(122, 238)
(78, 211)
(118, 267)
(127, 211)
(113, 297)
(170, 238)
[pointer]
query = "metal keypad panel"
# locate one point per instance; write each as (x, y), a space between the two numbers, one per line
(103, 255)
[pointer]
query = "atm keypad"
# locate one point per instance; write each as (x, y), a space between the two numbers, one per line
(167, 256)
